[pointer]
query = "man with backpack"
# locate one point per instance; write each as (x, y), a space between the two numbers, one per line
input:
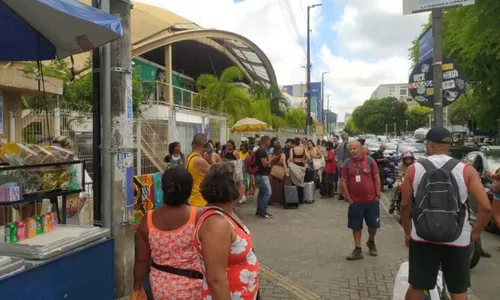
(435, 217)
(361, 188)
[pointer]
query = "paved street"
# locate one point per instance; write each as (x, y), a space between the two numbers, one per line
(308, 246)
(483, 274)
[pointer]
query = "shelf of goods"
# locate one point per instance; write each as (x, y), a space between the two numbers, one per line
(40, 256)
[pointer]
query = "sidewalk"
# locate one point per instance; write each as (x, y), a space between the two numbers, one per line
(309, 245)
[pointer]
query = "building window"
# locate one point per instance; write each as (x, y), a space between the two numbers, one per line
(402, 92)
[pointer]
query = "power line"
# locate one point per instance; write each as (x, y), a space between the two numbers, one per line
(292, 33)
(291, 17)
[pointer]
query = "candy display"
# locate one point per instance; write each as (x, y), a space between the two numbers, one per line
(31, 180)
(29, 228)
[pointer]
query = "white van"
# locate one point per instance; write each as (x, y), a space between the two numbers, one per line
(420, 134)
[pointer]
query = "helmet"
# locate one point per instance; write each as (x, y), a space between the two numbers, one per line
(407, 155)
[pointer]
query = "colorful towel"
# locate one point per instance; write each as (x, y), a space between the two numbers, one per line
(158, 191)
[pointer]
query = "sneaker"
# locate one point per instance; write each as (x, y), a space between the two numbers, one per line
(372, 249)
(341, 197)
(243, 199)
(265, 216)
(355, 255)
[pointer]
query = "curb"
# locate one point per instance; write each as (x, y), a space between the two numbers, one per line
(288, 286)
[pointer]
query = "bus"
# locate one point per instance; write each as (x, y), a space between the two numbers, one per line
(420, 134)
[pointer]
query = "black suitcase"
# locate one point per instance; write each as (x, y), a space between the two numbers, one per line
(309, 176)
(291, 197)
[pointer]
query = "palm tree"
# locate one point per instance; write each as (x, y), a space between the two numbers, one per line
(278, 103)
(222, 95)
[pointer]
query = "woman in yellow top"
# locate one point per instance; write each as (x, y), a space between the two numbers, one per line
(198, 163)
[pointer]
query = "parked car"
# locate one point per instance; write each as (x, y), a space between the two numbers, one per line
(483, 161)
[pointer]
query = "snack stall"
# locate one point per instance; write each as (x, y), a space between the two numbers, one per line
(37, 249)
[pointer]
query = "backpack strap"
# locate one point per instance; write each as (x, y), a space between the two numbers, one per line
(370, 160)
(428, 166)
(450, 165)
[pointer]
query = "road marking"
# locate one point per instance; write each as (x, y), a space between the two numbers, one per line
(288, 286)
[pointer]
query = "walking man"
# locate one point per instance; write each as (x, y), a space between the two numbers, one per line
(361, 187)
(435, 217)
(342, 156)
(263, 161)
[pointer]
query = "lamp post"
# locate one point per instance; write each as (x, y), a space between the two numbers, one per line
(326, 115)
(308, 65)
(407, 121)
(323, 94)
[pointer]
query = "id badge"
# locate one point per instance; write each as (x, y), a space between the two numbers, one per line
(358, 178)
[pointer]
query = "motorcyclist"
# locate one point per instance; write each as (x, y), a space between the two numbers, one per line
(407, 159)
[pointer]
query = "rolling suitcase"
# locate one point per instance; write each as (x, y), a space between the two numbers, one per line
(309, 188)
(309, 176)
(291, 197)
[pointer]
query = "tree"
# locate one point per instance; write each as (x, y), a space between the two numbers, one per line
(278, 103)
(471, 37)
(418, 117)
(295, 118)
(463, 110)
(375, 114)
(220, 94)
(77, 94)
(350, 128)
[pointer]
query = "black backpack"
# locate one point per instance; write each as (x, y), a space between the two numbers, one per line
(438, 212)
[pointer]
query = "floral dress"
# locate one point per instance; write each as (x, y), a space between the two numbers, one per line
(242, 269)
(174, 248)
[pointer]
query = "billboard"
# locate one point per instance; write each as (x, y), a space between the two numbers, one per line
(416, 6)
(425, 46)
(316, 101)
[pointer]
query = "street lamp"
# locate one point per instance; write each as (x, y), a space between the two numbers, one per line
(325, 115)
(323, 94)
(308, 65)
(407, 126)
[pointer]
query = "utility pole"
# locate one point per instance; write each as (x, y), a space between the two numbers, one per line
(386, 129)
(327, 124)
(323, 94)
(395, 131)
(117, 149)
(308, 65)
(96, 131)
(437, 41)
(407, 121)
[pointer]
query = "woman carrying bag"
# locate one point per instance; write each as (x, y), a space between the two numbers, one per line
(279, 172)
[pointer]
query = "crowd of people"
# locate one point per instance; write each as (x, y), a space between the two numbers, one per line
(196, 247)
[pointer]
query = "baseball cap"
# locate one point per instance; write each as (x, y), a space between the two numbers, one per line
(438, 135)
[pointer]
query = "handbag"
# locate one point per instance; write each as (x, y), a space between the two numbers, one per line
(278, 172)
(318, 163)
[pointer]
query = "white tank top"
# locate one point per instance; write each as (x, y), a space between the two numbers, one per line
(458, 172)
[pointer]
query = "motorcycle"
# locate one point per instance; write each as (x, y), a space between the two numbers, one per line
(396, 202)
(390, 174)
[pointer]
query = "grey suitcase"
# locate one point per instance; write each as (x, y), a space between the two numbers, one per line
(309, 188)
(291, 197)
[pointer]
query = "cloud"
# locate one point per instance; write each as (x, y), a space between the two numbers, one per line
(371, 39)
(262, 21)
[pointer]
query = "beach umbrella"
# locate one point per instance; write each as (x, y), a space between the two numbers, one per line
(34, 30)
(248, 125)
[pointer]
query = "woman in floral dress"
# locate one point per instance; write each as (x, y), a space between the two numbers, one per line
(223, 243)
(164, 241)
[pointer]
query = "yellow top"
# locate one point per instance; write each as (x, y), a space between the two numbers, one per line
(243, 155)
(196, 198)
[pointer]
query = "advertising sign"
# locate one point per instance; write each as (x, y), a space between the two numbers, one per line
(417, 6)
(316, 102)
(425, 46)
(421, 84)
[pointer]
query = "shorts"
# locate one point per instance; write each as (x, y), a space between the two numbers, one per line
(496, 196)
(370, 212)
(424, 262)
(329, 178)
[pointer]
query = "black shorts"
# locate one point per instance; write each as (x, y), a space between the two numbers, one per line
(329, 177)
(370, 212)
(425, 260)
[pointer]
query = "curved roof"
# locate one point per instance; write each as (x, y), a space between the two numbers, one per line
(153, 27)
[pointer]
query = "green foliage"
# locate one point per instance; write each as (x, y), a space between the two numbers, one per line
(295, 118)
(463, 110)
(278, 103)
(77, 93)
(374, 114)
(350, 128)
(472, 38)
(417, 117)
(222, 95)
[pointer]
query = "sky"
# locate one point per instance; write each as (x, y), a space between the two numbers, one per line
(361, 43)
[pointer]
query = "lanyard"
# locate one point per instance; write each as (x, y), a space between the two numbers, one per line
(357, 166)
